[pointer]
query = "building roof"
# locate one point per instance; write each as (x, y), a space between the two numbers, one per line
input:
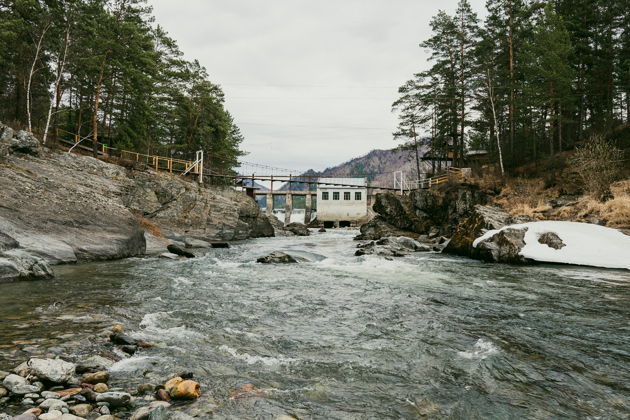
(345, 182)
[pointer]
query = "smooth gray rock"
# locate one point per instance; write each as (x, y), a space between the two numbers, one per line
(115, 399)
(53, 370)
(53, 404)
(19, 385)
(50, 395)
(27, 416)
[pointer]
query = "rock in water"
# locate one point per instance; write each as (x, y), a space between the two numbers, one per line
(53, 370)
(483, 219)
(122, 339)
(505, 246)
(19, 385)
(174, 249)
(186, 390)
(297, 229)
(277, 257)
(18, 264)
(96, 377)
(115, 399)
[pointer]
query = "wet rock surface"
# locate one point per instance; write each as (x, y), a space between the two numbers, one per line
(277, 257)
(60, 208)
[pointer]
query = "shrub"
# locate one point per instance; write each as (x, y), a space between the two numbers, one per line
(598, 164)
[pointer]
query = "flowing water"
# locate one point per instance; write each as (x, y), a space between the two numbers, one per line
(424, 336)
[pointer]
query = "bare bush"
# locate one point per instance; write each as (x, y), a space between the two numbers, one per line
(598, 164)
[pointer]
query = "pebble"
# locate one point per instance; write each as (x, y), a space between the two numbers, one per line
(3, 392)
(100, 388)
(81, 410)
(50, 394)
(106, 417)
(105, 410)
(114, 398)
(145, 388)
(96, 377)
(3, 374)
(51, 415)
(28, 401)
(102, 404)
(33, 396)
(53, 404)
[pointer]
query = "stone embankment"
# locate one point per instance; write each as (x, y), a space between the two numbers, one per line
(59, 208)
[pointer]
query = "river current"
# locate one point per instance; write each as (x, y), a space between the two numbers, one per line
(345, 337)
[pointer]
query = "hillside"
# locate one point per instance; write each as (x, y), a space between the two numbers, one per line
(378, 166)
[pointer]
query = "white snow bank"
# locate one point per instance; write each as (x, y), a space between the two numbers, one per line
(586, 244)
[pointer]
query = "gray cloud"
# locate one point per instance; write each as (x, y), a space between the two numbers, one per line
(310, 83)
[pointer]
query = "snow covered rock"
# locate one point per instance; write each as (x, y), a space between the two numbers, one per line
(559, 242)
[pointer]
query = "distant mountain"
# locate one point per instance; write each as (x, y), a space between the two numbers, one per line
(378, 167)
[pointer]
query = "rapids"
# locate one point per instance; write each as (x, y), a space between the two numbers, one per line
(424, 336)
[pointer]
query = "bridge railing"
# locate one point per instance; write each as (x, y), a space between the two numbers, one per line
(159, 163)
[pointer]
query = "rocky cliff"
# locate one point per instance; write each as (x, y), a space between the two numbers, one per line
(57, 207)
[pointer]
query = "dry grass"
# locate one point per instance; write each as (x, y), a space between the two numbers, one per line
(149, 226)
(613, 213)
(526, 196)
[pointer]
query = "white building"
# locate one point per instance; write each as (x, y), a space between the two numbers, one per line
(342, 201)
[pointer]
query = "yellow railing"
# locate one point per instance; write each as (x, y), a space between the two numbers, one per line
(156, 162)
(450, 174)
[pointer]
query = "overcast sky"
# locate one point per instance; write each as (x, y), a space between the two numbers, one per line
(310, 83)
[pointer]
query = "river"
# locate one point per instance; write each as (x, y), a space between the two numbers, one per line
(345, 337)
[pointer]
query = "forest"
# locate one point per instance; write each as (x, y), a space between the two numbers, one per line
(103, 69)
(529, 81)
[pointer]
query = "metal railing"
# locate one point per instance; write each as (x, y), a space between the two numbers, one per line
(402, 185)
(159, 163)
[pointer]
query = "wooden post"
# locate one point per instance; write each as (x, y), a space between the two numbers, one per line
(157, 162)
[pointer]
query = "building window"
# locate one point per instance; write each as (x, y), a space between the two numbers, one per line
(336, 195)
(346, 195)
(325, 195)
(357, 196)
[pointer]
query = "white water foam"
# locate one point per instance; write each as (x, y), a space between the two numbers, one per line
(480, 351)
(252, 359)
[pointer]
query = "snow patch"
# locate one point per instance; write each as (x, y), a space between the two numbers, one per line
(586, 244)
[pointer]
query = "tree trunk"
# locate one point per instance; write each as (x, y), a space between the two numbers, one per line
(30, 77)
(511, 110)
(60, 65)
(97, 97)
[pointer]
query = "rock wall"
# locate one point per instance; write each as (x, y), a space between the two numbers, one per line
(436, 212)
(57, 207)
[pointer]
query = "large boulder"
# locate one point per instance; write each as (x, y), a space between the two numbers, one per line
(504, 247)
(17, 264)
(379, 228)
(298, 229)
(20, 141)
(483, 219)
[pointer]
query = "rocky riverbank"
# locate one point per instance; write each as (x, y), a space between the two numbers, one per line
(452, 219)
(59, 208)
(57, 389)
